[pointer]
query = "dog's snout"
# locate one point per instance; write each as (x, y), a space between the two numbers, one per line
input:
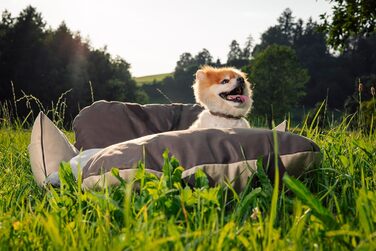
(240, 81)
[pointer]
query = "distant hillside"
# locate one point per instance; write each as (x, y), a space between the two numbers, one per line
(150, 78)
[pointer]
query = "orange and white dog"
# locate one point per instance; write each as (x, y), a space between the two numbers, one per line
(226, 96)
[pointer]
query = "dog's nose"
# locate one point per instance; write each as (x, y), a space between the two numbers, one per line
(240, 80)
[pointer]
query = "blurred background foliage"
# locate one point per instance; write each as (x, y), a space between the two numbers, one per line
(298, 57)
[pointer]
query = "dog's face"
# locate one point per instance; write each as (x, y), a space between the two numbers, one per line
(223, 90)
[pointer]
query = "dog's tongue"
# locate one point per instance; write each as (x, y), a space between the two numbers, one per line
(239, 98)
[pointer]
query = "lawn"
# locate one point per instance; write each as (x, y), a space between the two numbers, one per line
(332, 207)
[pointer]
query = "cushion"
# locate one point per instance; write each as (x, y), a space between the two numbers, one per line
(105, 123)
(224, 154)
(282, 126)
(48, 148)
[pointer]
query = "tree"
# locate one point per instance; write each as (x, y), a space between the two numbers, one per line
(185, 61)
(46, 63)
(330, 76)
(287, 25)
(283, 33)
(179, 87)
(247, 50)
(6, 24)
(350, 18)
(203, 58)
(279, 81)
(23, 50)
(235, 52)
(236, 56)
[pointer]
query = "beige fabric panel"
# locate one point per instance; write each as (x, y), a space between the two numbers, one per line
(48, 148)
(295, 162)
(236, 174)
(107, 179)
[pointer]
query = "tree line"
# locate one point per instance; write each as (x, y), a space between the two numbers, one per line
(43, 62)
(292, 66)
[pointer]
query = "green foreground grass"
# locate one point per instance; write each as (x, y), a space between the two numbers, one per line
(151, 78)
(333, 207)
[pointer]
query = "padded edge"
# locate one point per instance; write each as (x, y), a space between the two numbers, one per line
(48, 148)
(297, 154)
(107, 179)
(236, 174)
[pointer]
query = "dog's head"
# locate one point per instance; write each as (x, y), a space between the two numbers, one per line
(223, 90)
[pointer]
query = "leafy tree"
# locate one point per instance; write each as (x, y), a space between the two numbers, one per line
(203, 58)
(179, 90)
(235, 52)
(287, 24)
(272, 35)
(45, 63)
(23, 54)
(185, 61)
(6, 23)
(22, 41)
(283, 33)
(350, 18)
(279, 81)
(330, 76)
(361, 58)
(236, 56)
(179, 87)
(217, 63)
(247, 50)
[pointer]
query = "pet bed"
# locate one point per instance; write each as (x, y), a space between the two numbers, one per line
(121, 134)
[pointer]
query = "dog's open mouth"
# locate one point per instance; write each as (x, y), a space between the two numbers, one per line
(236, 95)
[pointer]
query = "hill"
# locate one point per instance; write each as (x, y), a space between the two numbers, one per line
(151, 78)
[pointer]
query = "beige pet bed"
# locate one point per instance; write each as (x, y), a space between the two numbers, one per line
(115, 134)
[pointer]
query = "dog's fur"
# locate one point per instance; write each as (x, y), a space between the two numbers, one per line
(226, 96)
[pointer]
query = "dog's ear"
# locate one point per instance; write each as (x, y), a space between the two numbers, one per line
(200, 75)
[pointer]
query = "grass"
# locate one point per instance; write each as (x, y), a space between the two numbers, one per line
(151, 78)
(332, 207)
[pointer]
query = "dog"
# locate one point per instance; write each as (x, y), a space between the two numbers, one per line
(226, 96)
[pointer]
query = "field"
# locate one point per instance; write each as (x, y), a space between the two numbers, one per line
(151, 78)
(332, 207)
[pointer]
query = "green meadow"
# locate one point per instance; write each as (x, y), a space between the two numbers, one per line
(151, 78)
(331, 207)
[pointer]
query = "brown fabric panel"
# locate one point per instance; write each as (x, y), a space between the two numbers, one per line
(197, 147)
(188, 114)
(236, 174)
(105, 123)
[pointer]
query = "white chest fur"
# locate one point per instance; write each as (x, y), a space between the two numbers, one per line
(208, 120)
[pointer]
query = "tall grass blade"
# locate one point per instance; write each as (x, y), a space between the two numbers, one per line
(311, 201)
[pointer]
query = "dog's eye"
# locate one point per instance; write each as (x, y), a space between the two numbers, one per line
(225, 81)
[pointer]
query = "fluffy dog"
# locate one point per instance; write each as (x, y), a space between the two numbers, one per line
(226, 96)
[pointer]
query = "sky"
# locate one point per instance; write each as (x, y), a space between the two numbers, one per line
(152, 34)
